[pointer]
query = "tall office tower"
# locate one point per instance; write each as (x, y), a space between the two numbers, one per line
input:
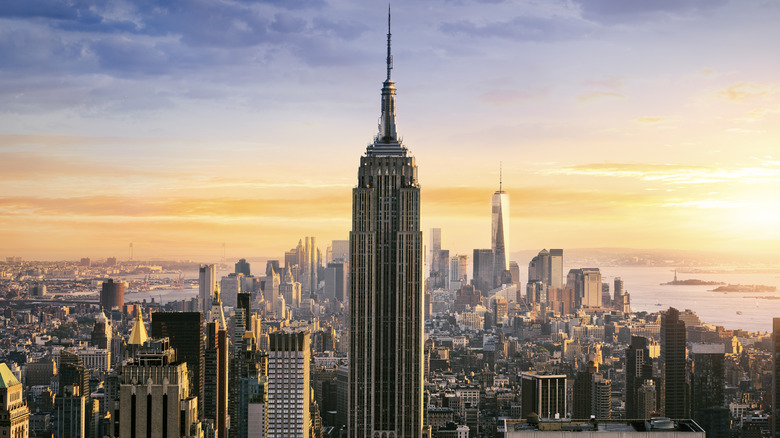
(245, 302)
(708, 380)
(673, 365)
(112, 295)
(215, 381)
(154, 396)
(289, 390)
(184, 331)
(458, 268)
(639, 368)
(230, 287)
(339, 251)
(235, 365)
(242, 267)
(14, 413)
(69, 412)
(514, 271)
(271, 290)
(440, 271)
(71, 371)
(539, 267)
(101, 332)
(776, 377)
(646, 400)
(386, 296)
(556, 268)
(207, 284)
(292, 292)
(334, 281)
(619, 289)
(543, 394)
(499, 233)
(592, 394)
(314, 263)
(433, 250)
(586, 283)
(251, 419)
(482, 271)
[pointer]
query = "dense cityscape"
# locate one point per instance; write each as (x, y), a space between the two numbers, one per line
(384, 334)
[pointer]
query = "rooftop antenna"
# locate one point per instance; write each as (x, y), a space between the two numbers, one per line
(389, 55)
(500, 177)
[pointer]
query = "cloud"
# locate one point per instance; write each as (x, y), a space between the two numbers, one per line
(598, 95)
(521, 28)
(675, 174)
(617, 11)
(747, 91)
(651, 120)
(503, 97)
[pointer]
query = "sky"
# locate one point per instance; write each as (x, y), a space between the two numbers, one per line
(183, 125)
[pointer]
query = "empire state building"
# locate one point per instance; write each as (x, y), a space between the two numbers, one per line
(386, 300)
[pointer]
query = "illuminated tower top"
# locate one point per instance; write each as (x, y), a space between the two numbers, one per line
(386, 142)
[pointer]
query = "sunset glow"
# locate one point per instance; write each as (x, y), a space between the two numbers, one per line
(635, 127)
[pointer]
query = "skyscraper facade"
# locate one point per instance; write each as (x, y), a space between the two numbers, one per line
(673, 365)
(207, 283)
(386, 296)
(14, 412)
(776, 377)
(499, 234)
(184, 331)
(639, 369)
(289, 390)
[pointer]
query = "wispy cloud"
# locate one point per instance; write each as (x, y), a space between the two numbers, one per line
(597, 95)
(652, 120)
(673, 173)
(743, 91)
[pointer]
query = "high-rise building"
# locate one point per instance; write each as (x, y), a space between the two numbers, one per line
(185, 334)
(101, 332)
(386, 295)
(334, 281)
(708, 381)
(215, 380)
(207, 284)
(482, 270)
(289, 389)
(776, 377)
(543, 394)
(230, 287)
(242, 267)
(433, 250)
(592, 394)
(154, 396)
(339, 250)
(14, 413)
(69, 411)
(112, 295)
(639, 369)
(499, 233)
(586, 283)
(673, 366)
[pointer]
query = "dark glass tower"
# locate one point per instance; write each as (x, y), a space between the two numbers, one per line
(386, 299)
(673, 365)
(185, 334)
(639, 368)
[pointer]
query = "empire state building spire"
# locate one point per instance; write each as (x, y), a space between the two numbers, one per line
(386, 142)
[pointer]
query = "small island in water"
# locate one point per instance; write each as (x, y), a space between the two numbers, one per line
(691, 282)
(745, 288)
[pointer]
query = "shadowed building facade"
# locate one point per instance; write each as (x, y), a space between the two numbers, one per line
(386, 297)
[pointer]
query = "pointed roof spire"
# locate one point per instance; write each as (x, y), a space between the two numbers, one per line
(389, 54)
(138, 335)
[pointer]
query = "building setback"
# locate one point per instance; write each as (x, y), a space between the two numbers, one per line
(386, 296)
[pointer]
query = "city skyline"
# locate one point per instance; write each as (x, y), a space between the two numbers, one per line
(618, 124)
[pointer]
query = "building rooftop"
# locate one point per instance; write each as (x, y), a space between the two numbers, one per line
(7, 378)
(602, 425)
